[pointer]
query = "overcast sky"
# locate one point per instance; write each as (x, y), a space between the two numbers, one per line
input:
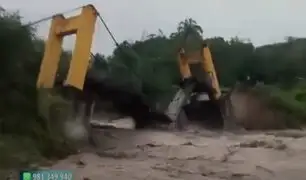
(262, 21)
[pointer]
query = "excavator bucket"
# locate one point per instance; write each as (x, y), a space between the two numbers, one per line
(201, 100)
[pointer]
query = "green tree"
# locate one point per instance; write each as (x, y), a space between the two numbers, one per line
(189, 26)
(190, 34)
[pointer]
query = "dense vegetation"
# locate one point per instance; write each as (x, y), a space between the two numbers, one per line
(149, 67)
(24, 132)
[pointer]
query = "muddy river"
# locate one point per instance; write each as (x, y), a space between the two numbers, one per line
(125, 154)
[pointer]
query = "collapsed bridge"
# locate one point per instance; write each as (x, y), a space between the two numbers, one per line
(198, 77)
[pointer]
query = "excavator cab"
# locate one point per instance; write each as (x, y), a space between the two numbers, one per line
(199, 97)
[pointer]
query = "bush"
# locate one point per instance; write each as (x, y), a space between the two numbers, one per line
(21, 119)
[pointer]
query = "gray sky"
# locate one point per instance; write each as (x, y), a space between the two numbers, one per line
(262, 21)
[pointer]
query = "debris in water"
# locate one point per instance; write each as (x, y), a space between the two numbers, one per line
(81, 163)
(274, 144)
(230, 152)
(189, 143)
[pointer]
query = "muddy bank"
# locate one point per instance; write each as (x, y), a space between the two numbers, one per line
(253, 112)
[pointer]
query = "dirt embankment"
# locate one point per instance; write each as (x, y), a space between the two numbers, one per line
(254, 113)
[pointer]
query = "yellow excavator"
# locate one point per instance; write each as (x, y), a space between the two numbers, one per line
(197, 70)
